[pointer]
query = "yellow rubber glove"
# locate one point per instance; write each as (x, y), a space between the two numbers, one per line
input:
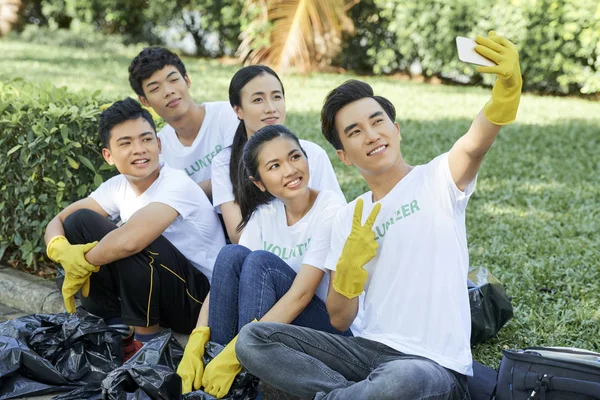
(359, 249)
(221, 371)
(71, 257)
(71, 286)
(191, 367)
(506, 94)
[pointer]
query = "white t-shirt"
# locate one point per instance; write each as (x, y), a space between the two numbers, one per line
(305, 242)
(322, 175)
(216, 133)
(416, 295)
(196, 232)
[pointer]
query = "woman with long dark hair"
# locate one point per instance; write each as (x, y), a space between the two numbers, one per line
(258, 98)
(276, 273)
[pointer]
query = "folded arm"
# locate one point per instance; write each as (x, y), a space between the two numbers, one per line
(147, 224)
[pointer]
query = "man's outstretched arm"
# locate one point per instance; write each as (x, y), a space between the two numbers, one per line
(144, 226)
(466, 155)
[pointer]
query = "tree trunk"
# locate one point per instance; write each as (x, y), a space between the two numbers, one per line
(10, 12)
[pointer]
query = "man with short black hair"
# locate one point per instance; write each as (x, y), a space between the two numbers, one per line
(407, 251)
(155, 269)
(195, 133)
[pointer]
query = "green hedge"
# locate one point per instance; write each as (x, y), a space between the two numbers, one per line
(559, 40)
(50, 156)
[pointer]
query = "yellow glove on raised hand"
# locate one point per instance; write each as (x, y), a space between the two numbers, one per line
(506, 94)
(71, 257)
(221, 371)
(71, 285)
(191, 367)
(359, 249)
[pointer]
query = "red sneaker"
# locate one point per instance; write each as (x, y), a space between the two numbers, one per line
(131, 346)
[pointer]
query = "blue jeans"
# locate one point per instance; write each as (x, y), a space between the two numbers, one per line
(246, 285)
(313, 364)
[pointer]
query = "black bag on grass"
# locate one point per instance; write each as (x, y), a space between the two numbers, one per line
(490, 305)
(549, 373)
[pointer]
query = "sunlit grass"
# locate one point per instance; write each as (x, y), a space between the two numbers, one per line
(534, 219)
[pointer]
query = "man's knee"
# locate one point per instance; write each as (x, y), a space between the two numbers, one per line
(414, 378)
(74, 224)
(250, 340)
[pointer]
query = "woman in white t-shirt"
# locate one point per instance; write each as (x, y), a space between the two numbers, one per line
(258, 98)
(277, 272)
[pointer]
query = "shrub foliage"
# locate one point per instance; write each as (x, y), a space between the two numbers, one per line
(559, 40)
(50, 156)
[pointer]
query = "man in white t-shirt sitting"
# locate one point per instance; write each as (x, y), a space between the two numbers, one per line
(403, 243)
(195, 133)
(155, 269)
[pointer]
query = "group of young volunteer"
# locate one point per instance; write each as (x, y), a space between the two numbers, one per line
(315, 296)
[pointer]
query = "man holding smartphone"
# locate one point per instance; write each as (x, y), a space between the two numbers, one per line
(404, 243)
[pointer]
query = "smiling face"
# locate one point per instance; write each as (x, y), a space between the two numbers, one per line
(370, 140)
(167, 92)
(283, 168)
(262, 103)
(133, 149)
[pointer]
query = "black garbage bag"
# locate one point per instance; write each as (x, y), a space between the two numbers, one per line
(491, 308)
(88, 392)
(244, 387)
(53, 353)
(149, 374)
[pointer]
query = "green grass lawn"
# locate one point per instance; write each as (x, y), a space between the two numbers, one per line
(534, 220)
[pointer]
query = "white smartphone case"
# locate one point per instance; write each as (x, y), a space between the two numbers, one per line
(467, 53)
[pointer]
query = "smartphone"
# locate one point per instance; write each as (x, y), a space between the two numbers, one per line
(467, 53)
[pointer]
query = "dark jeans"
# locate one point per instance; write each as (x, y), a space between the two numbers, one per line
(246, 285)
(313, 364)
(155, 286)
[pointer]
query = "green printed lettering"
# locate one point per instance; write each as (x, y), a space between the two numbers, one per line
(414, 206)
(398, 215)
(306, 244)
(292, 252)
(267, 248)
(204, 161)
(299, 247)
(405, 211)
(283, 256)
(388, 223)
(381, 234)
(277, 251)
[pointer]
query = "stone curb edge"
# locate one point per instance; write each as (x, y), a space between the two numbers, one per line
(29, 293)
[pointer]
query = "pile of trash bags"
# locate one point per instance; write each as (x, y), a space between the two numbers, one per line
(79, 357)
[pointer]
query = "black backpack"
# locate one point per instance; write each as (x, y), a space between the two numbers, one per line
(549, 373)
